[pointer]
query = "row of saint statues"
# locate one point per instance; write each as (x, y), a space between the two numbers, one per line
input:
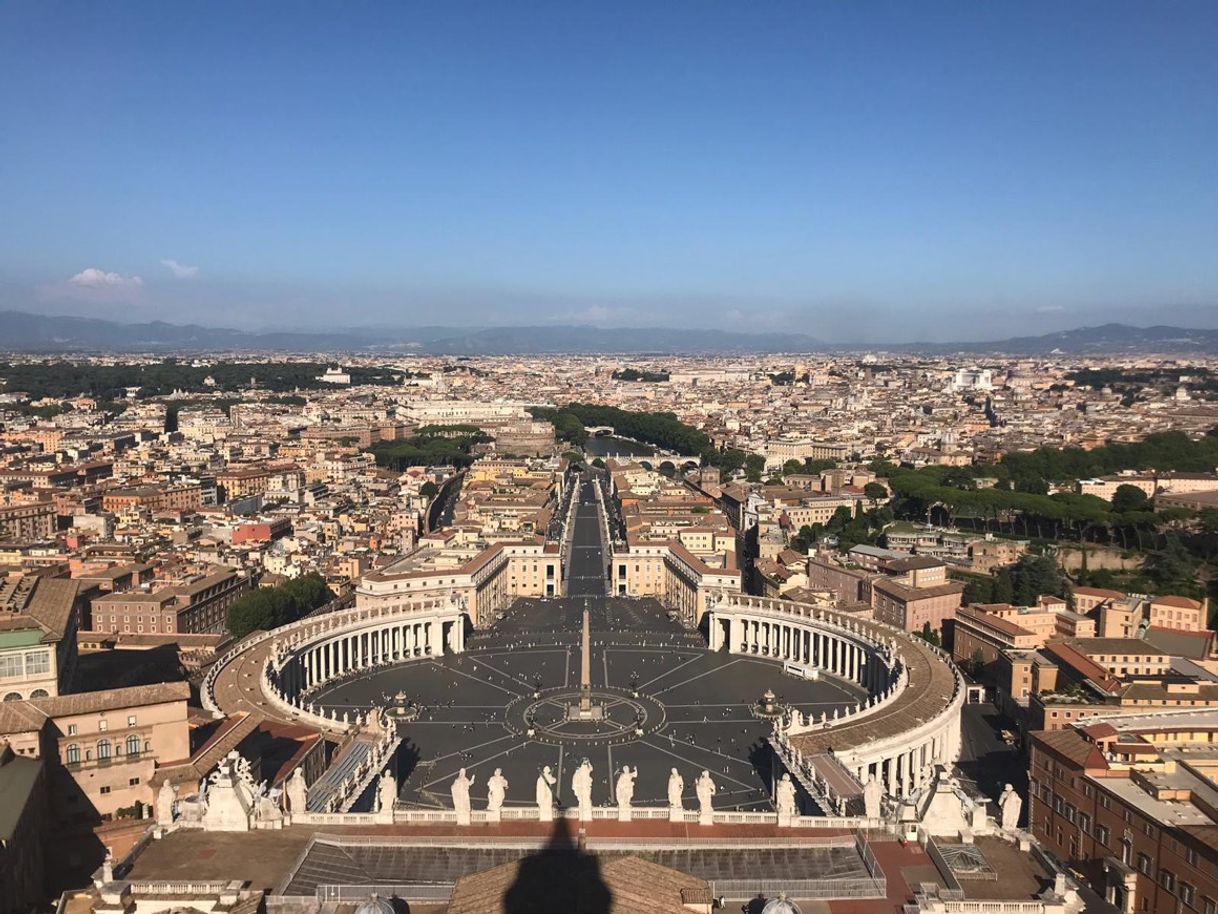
(581, 786)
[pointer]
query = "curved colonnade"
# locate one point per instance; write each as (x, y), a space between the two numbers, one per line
(301, 658)
(910, 724)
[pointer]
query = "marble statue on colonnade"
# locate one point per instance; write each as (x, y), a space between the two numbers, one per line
(784, 800)
(873, 795)
(581, 786)
(705, 787)
(460, 794)
(625, 792)
(676, 790)
(165, 798)
(297, 792)
(544, 794)
(496, 792)
(386, 792)
(1011, 804)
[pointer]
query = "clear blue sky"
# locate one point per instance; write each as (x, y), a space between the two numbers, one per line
(856, 170)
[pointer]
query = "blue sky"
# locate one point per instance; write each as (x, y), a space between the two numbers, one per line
(853, 170)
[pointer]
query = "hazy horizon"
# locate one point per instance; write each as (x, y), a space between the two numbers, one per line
(886, 172)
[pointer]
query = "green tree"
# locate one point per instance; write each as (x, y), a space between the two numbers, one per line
(978, 661)
(1129, 498)
(256, 611)
(429, 490)
(930, 635)
(791, 467)
(754, 466)
(1172, 569)
(874, 491)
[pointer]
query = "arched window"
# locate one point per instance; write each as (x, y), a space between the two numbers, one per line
(13, 696)
(103, 750)
(133, 745)
(40, 693)
(73, 754)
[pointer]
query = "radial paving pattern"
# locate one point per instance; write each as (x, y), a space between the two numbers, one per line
(695, 706)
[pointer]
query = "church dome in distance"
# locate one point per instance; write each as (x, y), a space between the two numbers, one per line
(780, 905)
(375, 904)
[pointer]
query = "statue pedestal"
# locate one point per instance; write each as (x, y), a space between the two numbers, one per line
(706, 817)
(493, 817)
(463, 817)
(623, 813)
(785, 820)
(585, 813)
(545, 813)
(676, 815)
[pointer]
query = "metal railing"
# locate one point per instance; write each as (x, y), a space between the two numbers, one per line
(831, 888)
(438, 892)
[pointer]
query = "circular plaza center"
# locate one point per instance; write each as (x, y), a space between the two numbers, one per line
(655, 699)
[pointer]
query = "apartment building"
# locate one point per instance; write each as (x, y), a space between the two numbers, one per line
(39, 619)
(197, 605)
(101, 749)
(25, 523)
(1131, 803)
(486, 578)
(188, 497)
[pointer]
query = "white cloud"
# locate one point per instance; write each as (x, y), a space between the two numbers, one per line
(93, 278)
(1050, 309)
(180, 270)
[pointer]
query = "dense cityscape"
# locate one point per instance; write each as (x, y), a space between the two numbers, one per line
(187, 539)
(634, 458)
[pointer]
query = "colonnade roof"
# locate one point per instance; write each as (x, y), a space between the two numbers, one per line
(930, 688)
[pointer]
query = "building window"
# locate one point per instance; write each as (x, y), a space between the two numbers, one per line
(1102, 834)
(1208, 905)
(1187, 893)
(37, 663)
(71, 729)
(130, 720)
(105, 790)
(133, 782)
(1143, 864)
(1167, 879)
(73, 754)
(102, 726)
(103, 750)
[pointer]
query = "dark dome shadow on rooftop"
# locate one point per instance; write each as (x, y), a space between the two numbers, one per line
(562, 878)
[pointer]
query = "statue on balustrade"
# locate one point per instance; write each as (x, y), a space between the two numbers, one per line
(460, 794)
(624, 792)
(1011, 804)
(706, 791)
(676, 788)
(581, 786)
(496, 790)
(873, 794)
(386, 792)
(544, 794)
(784, 799)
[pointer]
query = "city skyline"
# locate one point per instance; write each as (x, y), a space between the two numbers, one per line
(889, 174)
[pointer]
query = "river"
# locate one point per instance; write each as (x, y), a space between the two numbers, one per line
(608, 445)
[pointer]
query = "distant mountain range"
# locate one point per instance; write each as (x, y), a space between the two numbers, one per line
(24, 332)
